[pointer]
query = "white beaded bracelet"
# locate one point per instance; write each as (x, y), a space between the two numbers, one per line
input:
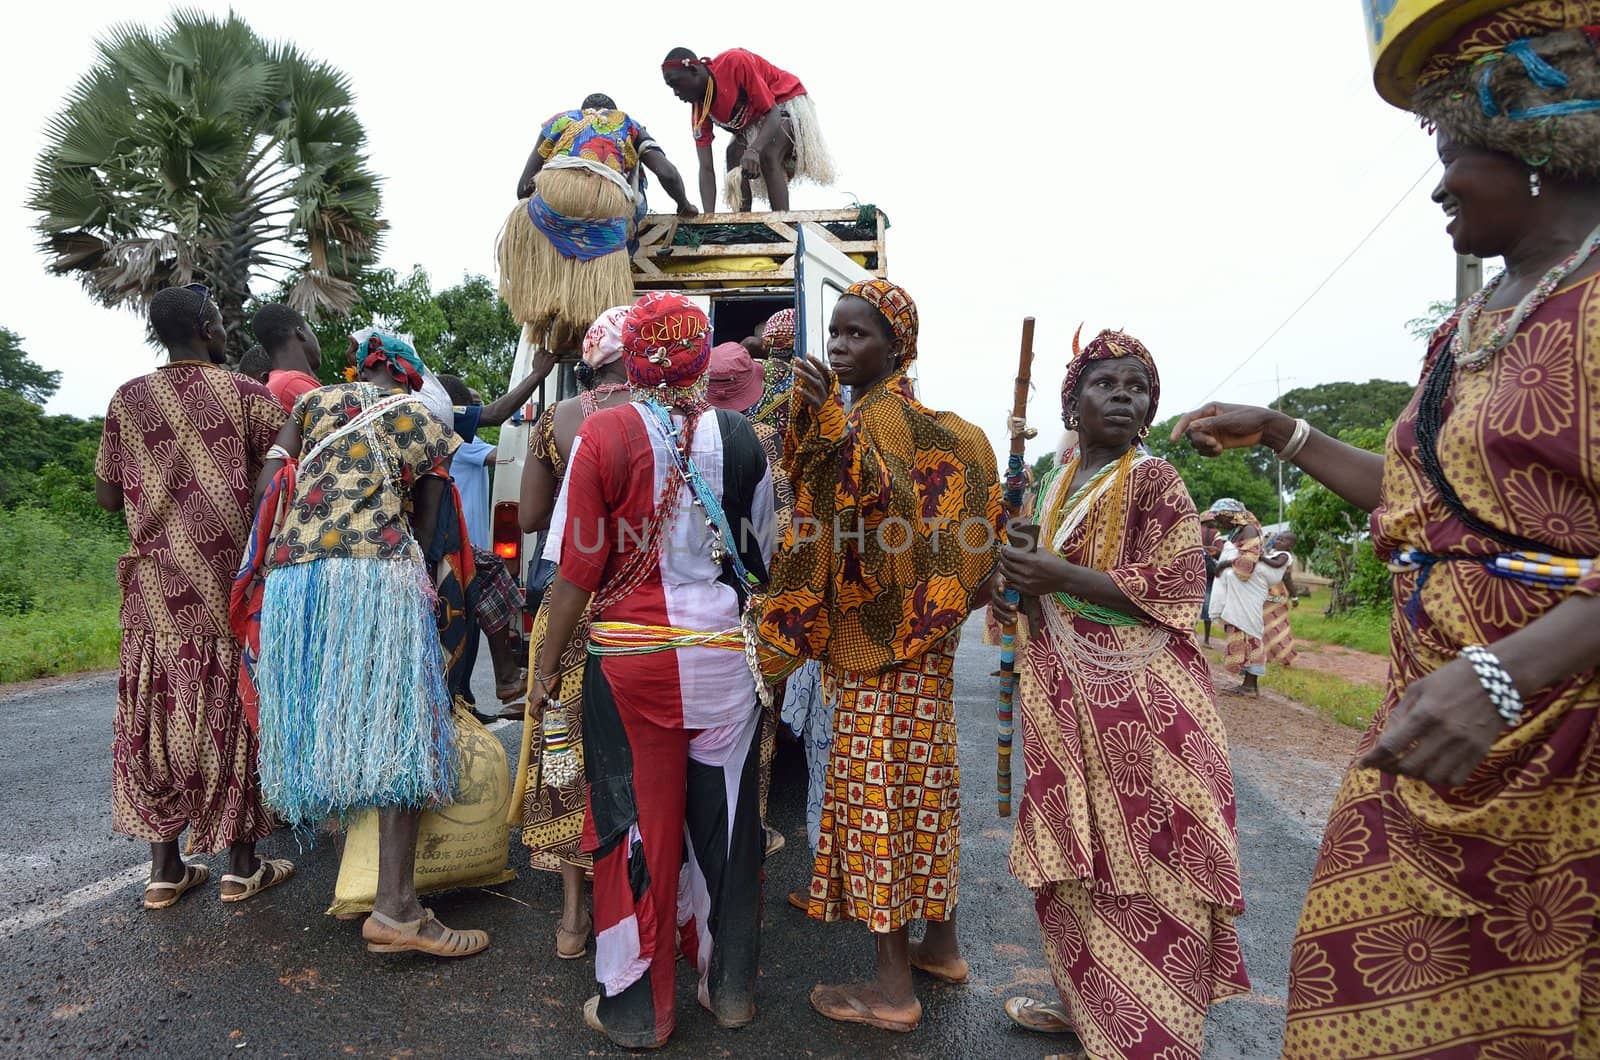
(1496, 682)
(1296, 442)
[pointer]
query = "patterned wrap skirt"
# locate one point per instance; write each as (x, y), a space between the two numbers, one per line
(552, 817)
(181, 752)
(890, 833)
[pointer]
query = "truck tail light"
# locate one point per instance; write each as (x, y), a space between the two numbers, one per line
(508, 536)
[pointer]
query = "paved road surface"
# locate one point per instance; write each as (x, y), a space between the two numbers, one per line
(90, 973)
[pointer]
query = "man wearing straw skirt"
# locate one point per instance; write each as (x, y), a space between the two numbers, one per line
(776, 138)
(563, 251)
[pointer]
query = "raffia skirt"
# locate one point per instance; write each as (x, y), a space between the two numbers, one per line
(808, 157)
(354, 708)
(554, 296)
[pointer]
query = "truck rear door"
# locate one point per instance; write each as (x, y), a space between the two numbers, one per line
(821, 274)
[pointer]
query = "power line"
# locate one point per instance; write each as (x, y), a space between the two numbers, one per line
(1325, 281)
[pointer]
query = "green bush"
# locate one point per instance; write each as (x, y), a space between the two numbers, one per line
(1370, 579)
(58, 594)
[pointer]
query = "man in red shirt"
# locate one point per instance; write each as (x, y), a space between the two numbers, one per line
(292, 345)
(775, 134)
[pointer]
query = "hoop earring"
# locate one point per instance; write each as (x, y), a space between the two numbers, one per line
(1535, 185)
(1144, 432)
(1072, 423)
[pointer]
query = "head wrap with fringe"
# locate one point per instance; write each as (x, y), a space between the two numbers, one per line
(1522, 81)
(666, 341)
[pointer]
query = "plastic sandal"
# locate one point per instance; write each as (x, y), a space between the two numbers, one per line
(408, 937)
(281, 869)
(193, 876)
(1038, 1016)
(568, 953)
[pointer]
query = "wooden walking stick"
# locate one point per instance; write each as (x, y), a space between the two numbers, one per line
(1016, 482)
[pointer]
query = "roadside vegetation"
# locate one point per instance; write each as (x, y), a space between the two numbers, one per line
(1361, 628)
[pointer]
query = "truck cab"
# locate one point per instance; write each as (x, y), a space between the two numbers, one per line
(741, 268)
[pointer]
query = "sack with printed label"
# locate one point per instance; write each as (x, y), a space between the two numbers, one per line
(465, 844)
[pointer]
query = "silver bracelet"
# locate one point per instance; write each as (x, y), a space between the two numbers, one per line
(1496, 682)
(1296, 442)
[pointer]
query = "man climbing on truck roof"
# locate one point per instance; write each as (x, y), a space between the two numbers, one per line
(564, 250)
(776, 138)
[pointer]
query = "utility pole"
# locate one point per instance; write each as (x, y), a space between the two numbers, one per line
(1469, 276)
(1277, 374)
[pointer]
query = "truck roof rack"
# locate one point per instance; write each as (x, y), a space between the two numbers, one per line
(704, 253)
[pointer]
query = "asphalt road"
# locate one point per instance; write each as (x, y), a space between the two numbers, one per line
(88, 972)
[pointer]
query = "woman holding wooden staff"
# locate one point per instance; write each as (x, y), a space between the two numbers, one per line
(892, 546)
(1125, 829)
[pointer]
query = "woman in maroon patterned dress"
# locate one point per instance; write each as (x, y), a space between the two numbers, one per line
(1452, 912)
(179, 456)
(1125, 832)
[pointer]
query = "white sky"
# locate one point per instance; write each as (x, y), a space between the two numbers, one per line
(1178, 169)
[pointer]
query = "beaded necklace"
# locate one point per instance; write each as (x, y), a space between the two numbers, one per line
(1472, 356)
(702, 112)
(1108, 520)
(642, 561)
(590, 400)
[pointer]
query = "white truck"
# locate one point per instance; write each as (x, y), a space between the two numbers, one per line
(742, 268)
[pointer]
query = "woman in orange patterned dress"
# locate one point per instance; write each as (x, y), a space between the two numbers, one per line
(1452, 911)
(1125, 831)
(892, 546)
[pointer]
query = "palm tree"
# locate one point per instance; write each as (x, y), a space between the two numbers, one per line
(201, 153)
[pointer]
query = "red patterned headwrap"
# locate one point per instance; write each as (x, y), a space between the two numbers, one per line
(778, 332)
(1108, 346)
(895, 304)
(666, 341)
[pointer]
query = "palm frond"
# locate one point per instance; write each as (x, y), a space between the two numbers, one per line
(198, 149)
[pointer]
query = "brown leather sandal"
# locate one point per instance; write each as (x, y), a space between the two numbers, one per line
(388, 935)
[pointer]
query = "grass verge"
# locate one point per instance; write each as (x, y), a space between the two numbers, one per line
(1344, 702)
(1364, 629)
(1350, 704)
(67, 642)
(58, 594)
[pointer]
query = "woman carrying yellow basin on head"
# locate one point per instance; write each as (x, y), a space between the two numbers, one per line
(1452, 912)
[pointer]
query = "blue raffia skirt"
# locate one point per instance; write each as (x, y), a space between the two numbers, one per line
(354, 708)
